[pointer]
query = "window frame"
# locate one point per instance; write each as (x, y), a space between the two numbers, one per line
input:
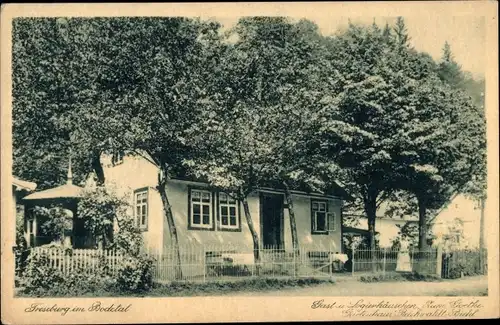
(314, 230)
(190, 224)
(145, 226)
(237, 227)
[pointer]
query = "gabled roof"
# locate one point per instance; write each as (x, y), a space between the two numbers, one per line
(23, 185)
(63, 191)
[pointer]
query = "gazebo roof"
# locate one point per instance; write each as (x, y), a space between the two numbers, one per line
(63, 191)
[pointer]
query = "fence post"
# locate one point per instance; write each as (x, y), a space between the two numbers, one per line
(383, 262)
(439, 260)
(352, 260)
(412, 252)
(203, 257)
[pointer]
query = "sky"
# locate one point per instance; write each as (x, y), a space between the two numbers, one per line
(465, 34)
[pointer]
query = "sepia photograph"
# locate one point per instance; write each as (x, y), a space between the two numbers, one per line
(249, 155)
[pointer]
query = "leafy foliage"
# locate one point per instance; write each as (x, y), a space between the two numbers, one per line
(40, 279)
(136, 274)
(100, 207)
(56, 220)
(39, 275)
(128, 238)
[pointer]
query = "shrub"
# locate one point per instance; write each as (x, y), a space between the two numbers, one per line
(40, 279)
(99, 207)
(56, 221)
(456, 272)
(135, 274)
(39, 275)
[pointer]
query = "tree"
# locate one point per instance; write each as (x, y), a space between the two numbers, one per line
(165, 63)
(61, 93)
(441, 147)
(233, 152)
(40, 94)
(360, 130)
(291, 106)
(137, 91)
(449, 70)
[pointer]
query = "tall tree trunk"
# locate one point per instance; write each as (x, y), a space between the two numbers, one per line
(167, 209)
(255, 237)
(97, 167)
(293, 224)
(371, 213)
(422, 224)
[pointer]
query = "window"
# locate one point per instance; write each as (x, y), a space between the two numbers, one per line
(141, 208)
(319, 215)
(200, 209)
(229, 217)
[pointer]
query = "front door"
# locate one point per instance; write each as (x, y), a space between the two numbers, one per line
(271, 206)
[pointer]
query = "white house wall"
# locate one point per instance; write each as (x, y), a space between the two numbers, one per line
(177, 192)
(387, 229)
(133, 174)
(302, 209)
(468, 212)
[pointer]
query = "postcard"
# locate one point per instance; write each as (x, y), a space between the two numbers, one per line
(228, 162)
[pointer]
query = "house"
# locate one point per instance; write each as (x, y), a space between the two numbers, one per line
(209, 218)
(447, 225)
(20, 189)
(457, 225)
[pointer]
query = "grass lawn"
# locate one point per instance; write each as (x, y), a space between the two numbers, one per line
(361, 286)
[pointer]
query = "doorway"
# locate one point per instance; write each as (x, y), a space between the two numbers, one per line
(271, 220)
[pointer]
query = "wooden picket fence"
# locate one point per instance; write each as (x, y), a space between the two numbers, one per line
(81, 260)
(201, 263)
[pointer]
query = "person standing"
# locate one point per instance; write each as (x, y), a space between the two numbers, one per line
(403, 262)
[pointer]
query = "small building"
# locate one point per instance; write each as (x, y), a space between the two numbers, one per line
(20, 189)
(66, 197)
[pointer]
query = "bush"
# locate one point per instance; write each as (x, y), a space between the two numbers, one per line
(39, 275)
(135, 274)
(456, 272)
(40, 279)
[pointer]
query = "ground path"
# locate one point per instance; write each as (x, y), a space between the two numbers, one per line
(468, 286)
